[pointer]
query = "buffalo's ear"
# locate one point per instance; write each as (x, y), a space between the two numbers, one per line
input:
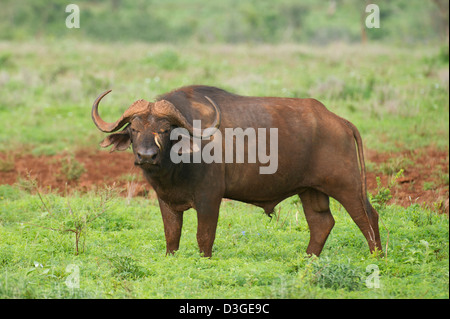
(120, 141)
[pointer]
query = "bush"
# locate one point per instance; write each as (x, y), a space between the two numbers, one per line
(337, 275)
(126, 267)
(71, 168)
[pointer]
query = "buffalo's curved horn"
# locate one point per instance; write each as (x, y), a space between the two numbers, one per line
(167, 109)
(216, 124)
(135, 108)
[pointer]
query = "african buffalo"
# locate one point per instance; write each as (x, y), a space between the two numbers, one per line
(319, 155)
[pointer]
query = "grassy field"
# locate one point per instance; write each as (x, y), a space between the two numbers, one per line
(397, 96)
(121, 253)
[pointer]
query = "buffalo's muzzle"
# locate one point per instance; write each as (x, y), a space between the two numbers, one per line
(146, 157)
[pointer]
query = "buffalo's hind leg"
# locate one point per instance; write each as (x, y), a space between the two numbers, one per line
(373, 216)
(316, 207)
(364, 215)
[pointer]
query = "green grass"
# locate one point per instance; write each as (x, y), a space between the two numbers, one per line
(123, 253)
(398, 97)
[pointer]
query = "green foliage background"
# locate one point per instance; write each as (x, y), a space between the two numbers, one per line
(227, 21)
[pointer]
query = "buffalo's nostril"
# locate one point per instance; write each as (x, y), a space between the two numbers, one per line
(148, 156)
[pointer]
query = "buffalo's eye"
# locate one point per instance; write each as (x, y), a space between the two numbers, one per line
(134, 130)
(161, 131)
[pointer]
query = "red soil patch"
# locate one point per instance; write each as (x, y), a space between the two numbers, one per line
(424, 181)
(100, 168)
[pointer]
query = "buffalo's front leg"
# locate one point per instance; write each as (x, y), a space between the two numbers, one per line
(173, 222)
(207, 217)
